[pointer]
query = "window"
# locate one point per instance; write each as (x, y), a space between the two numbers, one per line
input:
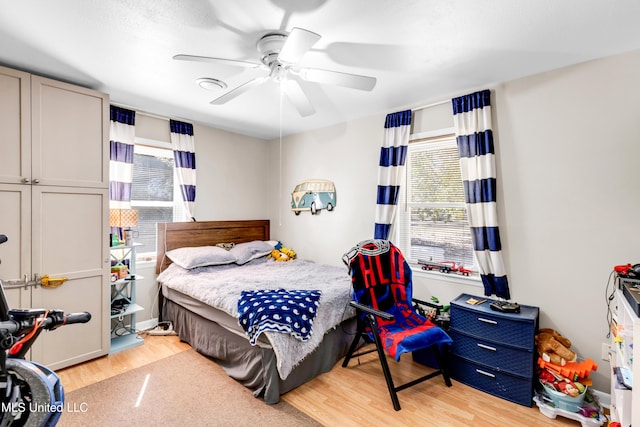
(154, 193)
(432, 215)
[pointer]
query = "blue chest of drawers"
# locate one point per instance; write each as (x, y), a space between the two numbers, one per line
(493, 351)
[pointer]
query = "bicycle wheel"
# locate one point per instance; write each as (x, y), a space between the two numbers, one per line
(32, 397)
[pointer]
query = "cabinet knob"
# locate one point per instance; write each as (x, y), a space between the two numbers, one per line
(26, 180)
(36, 181)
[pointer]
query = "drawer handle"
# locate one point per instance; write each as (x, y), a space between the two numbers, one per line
(492, 322)
(486, 347)
(485, 373)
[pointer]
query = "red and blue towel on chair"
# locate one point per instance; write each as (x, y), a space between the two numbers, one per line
(381, 279)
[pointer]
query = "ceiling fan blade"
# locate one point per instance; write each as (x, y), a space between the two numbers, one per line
(297, 44)
(217, 61)
(298, 98)
(354, 81)
(233, 93)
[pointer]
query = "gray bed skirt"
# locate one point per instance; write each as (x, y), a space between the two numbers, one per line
(254, 366)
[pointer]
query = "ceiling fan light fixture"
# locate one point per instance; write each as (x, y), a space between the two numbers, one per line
(211, 84)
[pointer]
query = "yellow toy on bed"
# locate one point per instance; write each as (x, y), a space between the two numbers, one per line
(280, 253)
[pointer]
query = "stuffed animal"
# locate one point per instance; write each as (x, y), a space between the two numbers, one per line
(226, 246)
(553, 347)
(280, 253)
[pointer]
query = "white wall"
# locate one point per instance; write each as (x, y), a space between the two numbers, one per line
(569, 144)
(232, 175)
(345, 154)
(567, 158)
(146, 295)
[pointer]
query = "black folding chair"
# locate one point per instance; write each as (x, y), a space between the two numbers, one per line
(382, 297)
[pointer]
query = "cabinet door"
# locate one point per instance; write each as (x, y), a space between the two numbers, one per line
(15, 253)
(54, 180)
(70, 239)
(70, 128)
(15, 126)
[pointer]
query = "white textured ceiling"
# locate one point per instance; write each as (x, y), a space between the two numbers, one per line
(420, 51)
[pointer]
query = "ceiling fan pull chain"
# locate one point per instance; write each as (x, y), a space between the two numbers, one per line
(280, 160)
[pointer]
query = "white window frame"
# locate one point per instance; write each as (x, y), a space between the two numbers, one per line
(159, 149)
(442, 138)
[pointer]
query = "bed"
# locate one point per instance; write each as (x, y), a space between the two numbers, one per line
(202, 304)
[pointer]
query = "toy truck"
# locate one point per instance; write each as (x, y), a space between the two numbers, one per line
(444, 267)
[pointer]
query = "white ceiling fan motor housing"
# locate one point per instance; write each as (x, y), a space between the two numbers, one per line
(269, 47)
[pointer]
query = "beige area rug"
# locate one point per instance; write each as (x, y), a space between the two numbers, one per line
(186, 389)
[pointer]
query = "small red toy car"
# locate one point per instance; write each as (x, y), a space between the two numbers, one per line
(464, 271)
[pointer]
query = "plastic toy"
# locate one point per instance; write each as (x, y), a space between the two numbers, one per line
(628, 270)
(573, 371)
(464, 271)
(444, 267)
(589, 415)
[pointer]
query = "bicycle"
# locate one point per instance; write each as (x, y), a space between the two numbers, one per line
(30, 393)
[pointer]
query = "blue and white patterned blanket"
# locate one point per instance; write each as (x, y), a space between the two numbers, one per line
(279, 310)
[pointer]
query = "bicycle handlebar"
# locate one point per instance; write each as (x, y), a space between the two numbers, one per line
(54, 319)
(83, 317)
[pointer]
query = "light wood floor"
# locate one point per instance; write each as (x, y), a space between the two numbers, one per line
(353, 396)
(93, 371)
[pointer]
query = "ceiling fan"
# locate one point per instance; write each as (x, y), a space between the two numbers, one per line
(279, 54)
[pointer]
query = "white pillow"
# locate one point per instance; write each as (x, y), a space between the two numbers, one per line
(200, 256)
(245, 252)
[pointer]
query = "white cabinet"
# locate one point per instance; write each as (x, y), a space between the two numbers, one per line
(15, 125)
(52, 133)
(54, 208)
(123, 299)
(625, 333)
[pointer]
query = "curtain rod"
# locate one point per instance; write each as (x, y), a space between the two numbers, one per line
(444, 101)
(435, 104)
(155, 116)
(144, 113)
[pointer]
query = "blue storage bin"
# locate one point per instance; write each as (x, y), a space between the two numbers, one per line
(564, 401)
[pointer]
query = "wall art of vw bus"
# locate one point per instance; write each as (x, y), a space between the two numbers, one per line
(313, 195)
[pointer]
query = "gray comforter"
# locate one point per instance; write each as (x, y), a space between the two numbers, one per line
(221, 286)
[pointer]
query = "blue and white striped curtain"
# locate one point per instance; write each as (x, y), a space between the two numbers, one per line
(121, 138)
(184, 155)
(474, 135)
(393, 154)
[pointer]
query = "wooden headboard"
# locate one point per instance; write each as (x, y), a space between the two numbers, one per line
(172, 235)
